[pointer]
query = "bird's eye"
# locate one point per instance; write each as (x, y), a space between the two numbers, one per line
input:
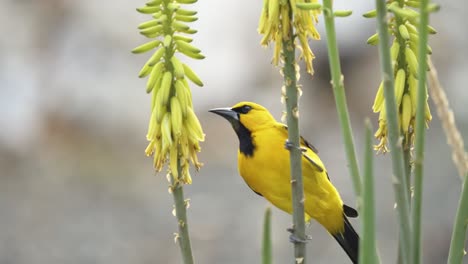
(245, 109)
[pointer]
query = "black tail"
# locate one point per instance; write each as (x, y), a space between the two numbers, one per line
(349, 241)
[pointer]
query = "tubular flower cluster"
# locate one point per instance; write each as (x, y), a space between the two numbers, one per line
(403, 25)
(174, 131)
(275, 25)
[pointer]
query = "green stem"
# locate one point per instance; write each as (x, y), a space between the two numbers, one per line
(399, 182)
(266, 245)
(457, 244)
(399, 257)
(339, 93)
(420, 130)
(292, 111)
(407, 164)
(176, 185)
(401, 64)
(181, 215)
(368, 249)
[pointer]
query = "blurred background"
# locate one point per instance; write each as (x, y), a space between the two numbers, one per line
(76, 187)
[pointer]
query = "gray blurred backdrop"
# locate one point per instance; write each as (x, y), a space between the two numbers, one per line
(76, 187)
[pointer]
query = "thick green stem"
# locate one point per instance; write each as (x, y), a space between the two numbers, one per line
(181, 214)
(420, 130)
(292, 114)
(457, 244)
(266, 244)
(399, 181)
(368, 249)
(339, 93)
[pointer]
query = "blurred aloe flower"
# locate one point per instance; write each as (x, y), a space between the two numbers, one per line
(403, 26)
(275, 25)
(174, 131)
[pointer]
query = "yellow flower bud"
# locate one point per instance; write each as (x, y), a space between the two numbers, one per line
(174, 131)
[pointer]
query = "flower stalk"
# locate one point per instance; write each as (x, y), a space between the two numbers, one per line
(292, 118)
(290, 26)
(368, 249)
(416, 209)
(174, 132)
(399, 182)
(457, 244)
(180, 206)
(408, 167)
(339, 93)
(403, 25)
(266, 243)
(410, 30)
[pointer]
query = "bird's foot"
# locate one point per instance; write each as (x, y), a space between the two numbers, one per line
(294, 239)
(288, 145)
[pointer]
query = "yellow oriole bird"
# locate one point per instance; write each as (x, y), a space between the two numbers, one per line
(263, 162)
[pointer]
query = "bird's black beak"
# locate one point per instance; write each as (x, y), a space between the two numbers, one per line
(228, 113)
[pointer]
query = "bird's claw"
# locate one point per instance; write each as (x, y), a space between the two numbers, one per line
(288, 145)
(294, 239)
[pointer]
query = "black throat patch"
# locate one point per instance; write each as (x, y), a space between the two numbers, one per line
(246, 145)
